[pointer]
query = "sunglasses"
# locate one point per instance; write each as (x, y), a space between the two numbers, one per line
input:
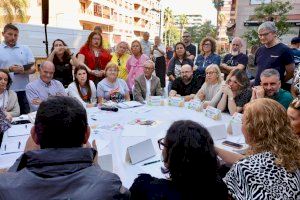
(119, 62)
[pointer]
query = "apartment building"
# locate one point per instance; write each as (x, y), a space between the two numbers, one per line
(193, 20)
(121, 20)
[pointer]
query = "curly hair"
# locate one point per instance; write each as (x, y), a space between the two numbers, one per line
(268, 129)
(190, 155)
(212, 42)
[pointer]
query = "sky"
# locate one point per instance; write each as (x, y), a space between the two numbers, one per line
(202, 7)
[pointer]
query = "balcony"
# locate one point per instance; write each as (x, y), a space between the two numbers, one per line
(89, 16)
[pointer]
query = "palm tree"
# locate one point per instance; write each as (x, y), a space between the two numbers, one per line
(183, 20)
(218, 4)
(168, 21)
(13, 10)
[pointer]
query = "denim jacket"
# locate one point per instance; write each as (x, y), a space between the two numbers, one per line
(202, 62)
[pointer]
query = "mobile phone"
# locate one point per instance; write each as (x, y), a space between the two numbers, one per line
(232, 144)
(21, 122)
(28, 66)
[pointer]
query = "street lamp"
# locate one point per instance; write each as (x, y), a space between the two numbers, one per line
(153, 9)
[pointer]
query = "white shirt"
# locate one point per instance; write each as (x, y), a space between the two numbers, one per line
(148, 87)
(4, 99)
(17, 55)
(73, 92)
(162, 48)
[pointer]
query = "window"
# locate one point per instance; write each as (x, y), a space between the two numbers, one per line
(106, 12)
(256, 2)
(97, 10)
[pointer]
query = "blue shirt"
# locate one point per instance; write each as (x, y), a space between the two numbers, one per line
(41, 90)
(17, 55)
(202, 62)
(276, 57)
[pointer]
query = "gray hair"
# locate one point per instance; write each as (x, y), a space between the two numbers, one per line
(149, 62)
(46, 62)
(269, 26)
(217, 69)
(269, 73)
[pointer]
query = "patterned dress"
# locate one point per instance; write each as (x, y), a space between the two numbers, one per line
(257, 177)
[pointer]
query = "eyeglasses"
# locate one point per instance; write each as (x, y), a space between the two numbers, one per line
(206, 44)
(119, 62)
(161, 143)
(263, 34)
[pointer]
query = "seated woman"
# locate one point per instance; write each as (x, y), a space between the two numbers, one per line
(8, 98)
(271, 168)
(191, 163)
(82, 88)
(212, 85)
(120, 58)
(112, 88)
(235, 93)
(63, 59)
(293, 113)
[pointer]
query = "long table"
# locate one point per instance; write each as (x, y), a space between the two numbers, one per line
(108, 129)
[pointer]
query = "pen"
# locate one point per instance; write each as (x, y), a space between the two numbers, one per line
(26, 126)
(19, 145)
(4, 147)
(148, 163)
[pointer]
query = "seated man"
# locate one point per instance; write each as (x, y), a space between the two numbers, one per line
(270, 88)
(45, 86)
(236, 59)
(147, 84)
(187, 85)
(61, 168)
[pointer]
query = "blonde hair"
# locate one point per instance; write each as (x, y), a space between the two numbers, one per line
(268, 128)
(111, 65)
(217, 69)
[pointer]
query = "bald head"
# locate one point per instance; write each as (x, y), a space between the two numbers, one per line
(47, 70)
(186, 73)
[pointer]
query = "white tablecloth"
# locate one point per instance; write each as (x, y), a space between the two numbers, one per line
(108, 127)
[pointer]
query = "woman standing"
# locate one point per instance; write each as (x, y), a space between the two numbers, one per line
(94, 57)
(112, 88)
(179, 59)
(135, 64)
(159, 51)
(61, 56)
(82, 88)
(8, 98)
(208, 56)
(120, 58)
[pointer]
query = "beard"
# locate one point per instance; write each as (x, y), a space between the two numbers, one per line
(235, 53)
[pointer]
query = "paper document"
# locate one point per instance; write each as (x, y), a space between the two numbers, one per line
(12, 147)
(134, 130)
(129, 104)
(18, 130)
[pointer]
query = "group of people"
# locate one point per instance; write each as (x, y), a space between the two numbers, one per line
(58, 155)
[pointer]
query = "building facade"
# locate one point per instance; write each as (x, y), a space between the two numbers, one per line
(120, 20)
(193, 20)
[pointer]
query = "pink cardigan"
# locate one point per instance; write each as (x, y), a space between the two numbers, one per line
(135, 67)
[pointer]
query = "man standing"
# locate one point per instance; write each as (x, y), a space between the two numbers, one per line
(270, 88)
(187, 85)
(159, 51)
(190, 48)
(18, 60)
(146, 44)
(55, 164)
(147, 84)
(236, 59)
(44, 87)
(273, 54)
